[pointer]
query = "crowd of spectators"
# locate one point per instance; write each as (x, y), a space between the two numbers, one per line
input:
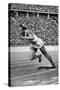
(46, 29)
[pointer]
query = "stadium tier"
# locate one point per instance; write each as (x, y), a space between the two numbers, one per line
(42, 19)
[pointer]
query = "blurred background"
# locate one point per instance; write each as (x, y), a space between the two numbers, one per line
(40, 18)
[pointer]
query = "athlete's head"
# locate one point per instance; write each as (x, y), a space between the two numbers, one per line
(23, 26)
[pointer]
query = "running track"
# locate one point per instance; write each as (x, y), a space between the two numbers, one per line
(25, 72)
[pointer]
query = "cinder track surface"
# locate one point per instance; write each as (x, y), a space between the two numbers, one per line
(26, 73)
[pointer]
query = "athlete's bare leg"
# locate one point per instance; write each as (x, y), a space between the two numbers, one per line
(44, 52)
(33, 56)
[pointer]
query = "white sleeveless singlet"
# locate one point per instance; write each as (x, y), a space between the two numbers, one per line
(39, 42)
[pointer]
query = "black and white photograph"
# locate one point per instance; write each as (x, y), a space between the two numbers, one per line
(33, 44)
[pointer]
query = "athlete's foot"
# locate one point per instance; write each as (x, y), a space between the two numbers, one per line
(31, 59)
(53, 65)
(40, 58)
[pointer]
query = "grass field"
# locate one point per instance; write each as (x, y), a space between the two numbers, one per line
(26, 73)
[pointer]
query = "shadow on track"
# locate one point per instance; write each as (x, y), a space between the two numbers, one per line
(45, 67)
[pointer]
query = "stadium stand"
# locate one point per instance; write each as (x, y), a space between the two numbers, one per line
(42, 19)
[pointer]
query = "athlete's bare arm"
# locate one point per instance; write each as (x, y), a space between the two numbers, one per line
(29, 37)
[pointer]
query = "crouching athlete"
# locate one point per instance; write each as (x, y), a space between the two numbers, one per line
(36, 43)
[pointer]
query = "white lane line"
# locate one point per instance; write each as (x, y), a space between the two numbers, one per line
(18, 65)
(25, 68)
(39, 82)
(21, 64)
(33, 74)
